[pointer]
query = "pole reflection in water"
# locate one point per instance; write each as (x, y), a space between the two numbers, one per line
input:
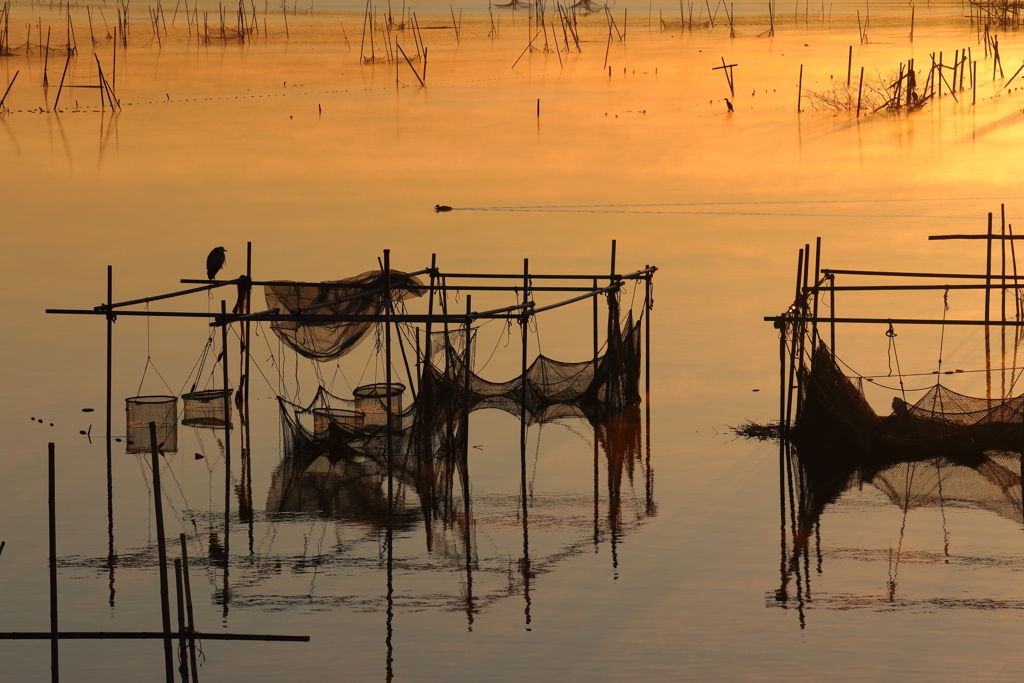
(821, 473)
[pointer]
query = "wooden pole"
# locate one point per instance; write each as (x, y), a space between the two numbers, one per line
(165, 608)
(849, 66)
(430, 314)
(817, 270)
(227, 420)
(793, 348)
(248, 323)
(832, 314)
(596, 347)
(51, 502)
(180, 599)
(387, 375)
(109, 438)
(988, 269)
(648, 307)
(188, 611)
(800, 89)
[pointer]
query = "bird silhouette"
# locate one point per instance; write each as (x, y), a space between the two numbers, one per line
(215, 261)
(728, 104)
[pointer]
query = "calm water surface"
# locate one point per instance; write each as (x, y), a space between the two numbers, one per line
(321, 163)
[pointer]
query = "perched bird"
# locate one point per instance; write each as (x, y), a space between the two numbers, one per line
(728, 104)
(215, 261)
(899, 406)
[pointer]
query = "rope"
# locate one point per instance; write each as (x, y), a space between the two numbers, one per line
(891, 334)
(942, 333)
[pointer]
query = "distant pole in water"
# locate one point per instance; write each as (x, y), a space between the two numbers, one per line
(538, 107)
(849, 66)
(860, 89)
(800, 89)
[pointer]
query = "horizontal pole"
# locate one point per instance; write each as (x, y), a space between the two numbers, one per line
(528, 304)
(594, 292)
(884, 273)
(232, 317)
(264, 283)
(519, 276)
(895, 321)
(159, 297)
(915, 288)
(976, 237)
(145, 635)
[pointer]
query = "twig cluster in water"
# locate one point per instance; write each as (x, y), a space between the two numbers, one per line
(754, 430)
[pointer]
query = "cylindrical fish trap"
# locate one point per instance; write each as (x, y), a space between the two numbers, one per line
(207, 408)
(140, 411)
(323, 417)
(372, 401)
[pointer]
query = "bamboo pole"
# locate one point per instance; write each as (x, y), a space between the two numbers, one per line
(800, 89)
(988, 269)
(248, 323)
(52, 506)
(387, 374)
(179, 593)
(165, 609)
(188, 612)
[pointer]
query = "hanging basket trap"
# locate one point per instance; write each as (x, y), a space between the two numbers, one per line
(140, 411)
(210, 408)
(372, 401)
(323, 417)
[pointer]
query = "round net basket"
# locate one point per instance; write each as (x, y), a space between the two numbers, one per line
(372, 401)
(207, 408)
(140, 411)
(323, 417)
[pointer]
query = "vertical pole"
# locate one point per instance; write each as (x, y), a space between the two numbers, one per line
(832, 308)
(595, 337)
(648, 305)
(248, 323)
(110, 339)
(523, 491)
(430, 314)
(849, 66)
(227, 413)
(387, 378)
(180, 599)
(110, 467)
(51, 501)
(988, 270)
(860, 90)
(1002, 245)
(165, 608)
(465, 457)
(800, 89)
(796, 331)
(613, 261)
(815, 281)
(188, 612)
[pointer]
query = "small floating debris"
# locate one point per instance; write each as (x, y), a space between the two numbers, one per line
(88, 410)
(199, 456)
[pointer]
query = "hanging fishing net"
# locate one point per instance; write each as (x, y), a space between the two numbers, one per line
(329, 340)
(941, 421)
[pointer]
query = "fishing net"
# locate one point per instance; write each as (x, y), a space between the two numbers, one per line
(942, 420)
(428, 436)
(325, 341)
